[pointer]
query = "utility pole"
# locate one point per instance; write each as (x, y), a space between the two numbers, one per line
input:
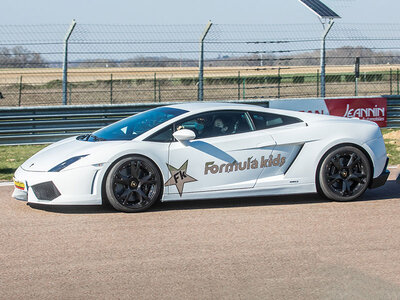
(324, 13)
(323, 56)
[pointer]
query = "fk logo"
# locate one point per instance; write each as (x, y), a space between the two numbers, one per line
(179, 177)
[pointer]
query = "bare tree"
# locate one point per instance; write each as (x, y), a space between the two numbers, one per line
(20, 57)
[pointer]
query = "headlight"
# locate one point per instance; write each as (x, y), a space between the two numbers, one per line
(66, 163)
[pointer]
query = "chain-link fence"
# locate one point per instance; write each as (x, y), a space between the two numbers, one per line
(133, 63)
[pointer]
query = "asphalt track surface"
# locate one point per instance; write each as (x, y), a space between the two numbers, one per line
(297, 247)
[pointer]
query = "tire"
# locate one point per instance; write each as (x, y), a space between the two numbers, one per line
(133, 184)
(344, 174)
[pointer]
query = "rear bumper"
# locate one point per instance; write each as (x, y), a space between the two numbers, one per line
(381, 179)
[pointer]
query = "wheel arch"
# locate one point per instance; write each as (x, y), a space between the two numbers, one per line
(363, 150)
(103, 180)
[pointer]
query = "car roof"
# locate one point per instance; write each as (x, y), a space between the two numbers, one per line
(202, 106)
(199, 107)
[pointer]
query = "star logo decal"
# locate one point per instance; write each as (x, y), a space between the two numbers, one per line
(179, 177)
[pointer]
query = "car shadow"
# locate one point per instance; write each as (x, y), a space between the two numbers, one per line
(239, 202)
(390, 190)
(74, 209)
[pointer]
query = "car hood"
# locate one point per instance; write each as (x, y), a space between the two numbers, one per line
(58, 152)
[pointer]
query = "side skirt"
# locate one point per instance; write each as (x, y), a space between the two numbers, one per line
(252, 192)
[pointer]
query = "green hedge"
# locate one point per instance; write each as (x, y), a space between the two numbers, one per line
(333, 78)
(298, 79)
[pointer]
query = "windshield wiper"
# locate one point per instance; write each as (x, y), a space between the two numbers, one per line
(96, 138)
(83, 137)
(86, 137)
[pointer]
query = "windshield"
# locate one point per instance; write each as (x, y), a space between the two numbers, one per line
(132, 127)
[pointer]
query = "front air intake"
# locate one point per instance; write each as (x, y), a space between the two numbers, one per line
(45, 191)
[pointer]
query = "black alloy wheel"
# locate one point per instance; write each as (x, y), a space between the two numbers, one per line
(133, 184)
(344, 174)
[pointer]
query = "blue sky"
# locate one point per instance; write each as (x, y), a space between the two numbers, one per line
(190, 11)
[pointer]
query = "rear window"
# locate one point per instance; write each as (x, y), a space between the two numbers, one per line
(268, 120)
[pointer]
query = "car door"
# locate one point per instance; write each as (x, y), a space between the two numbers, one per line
(286, 132)
(226, 154)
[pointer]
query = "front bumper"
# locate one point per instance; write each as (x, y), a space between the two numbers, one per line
(79, 186)
(381, 179)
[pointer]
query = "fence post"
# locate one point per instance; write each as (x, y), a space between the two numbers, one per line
(323, 57)
(317, 83)
(238, 85)
(155, 87)
(201, 62)
(398, 84)
(111, 88)
(356, 86)
(159, 91)
(65, 64)
(391, 82)
(356, 75)
(244, 88)
(279, 82)
(20, 91)
(70, 93)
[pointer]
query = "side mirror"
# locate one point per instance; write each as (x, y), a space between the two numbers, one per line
(184, 135)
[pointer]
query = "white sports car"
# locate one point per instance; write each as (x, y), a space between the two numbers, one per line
(207, 150)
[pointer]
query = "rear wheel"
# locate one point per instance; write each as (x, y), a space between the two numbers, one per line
(133, 184)
(344, 174)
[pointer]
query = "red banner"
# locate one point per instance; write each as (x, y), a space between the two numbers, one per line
(372, 109)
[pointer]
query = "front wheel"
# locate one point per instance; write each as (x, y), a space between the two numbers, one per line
(344, 174)
(133, 184)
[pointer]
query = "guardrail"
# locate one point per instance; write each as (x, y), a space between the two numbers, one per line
(36, 125)
(39, 125)
(393, 111)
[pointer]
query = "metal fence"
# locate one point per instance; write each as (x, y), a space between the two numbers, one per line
(115, 64)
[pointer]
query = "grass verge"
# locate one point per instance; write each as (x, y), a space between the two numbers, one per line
(392, 143)
(11, 157)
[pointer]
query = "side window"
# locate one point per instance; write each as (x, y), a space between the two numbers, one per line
(268, 120)
(218, 123)
(162, 136)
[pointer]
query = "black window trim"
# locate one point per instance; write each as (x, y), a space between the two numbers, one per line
(278, 115)
(149, 138)
(250, 120)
